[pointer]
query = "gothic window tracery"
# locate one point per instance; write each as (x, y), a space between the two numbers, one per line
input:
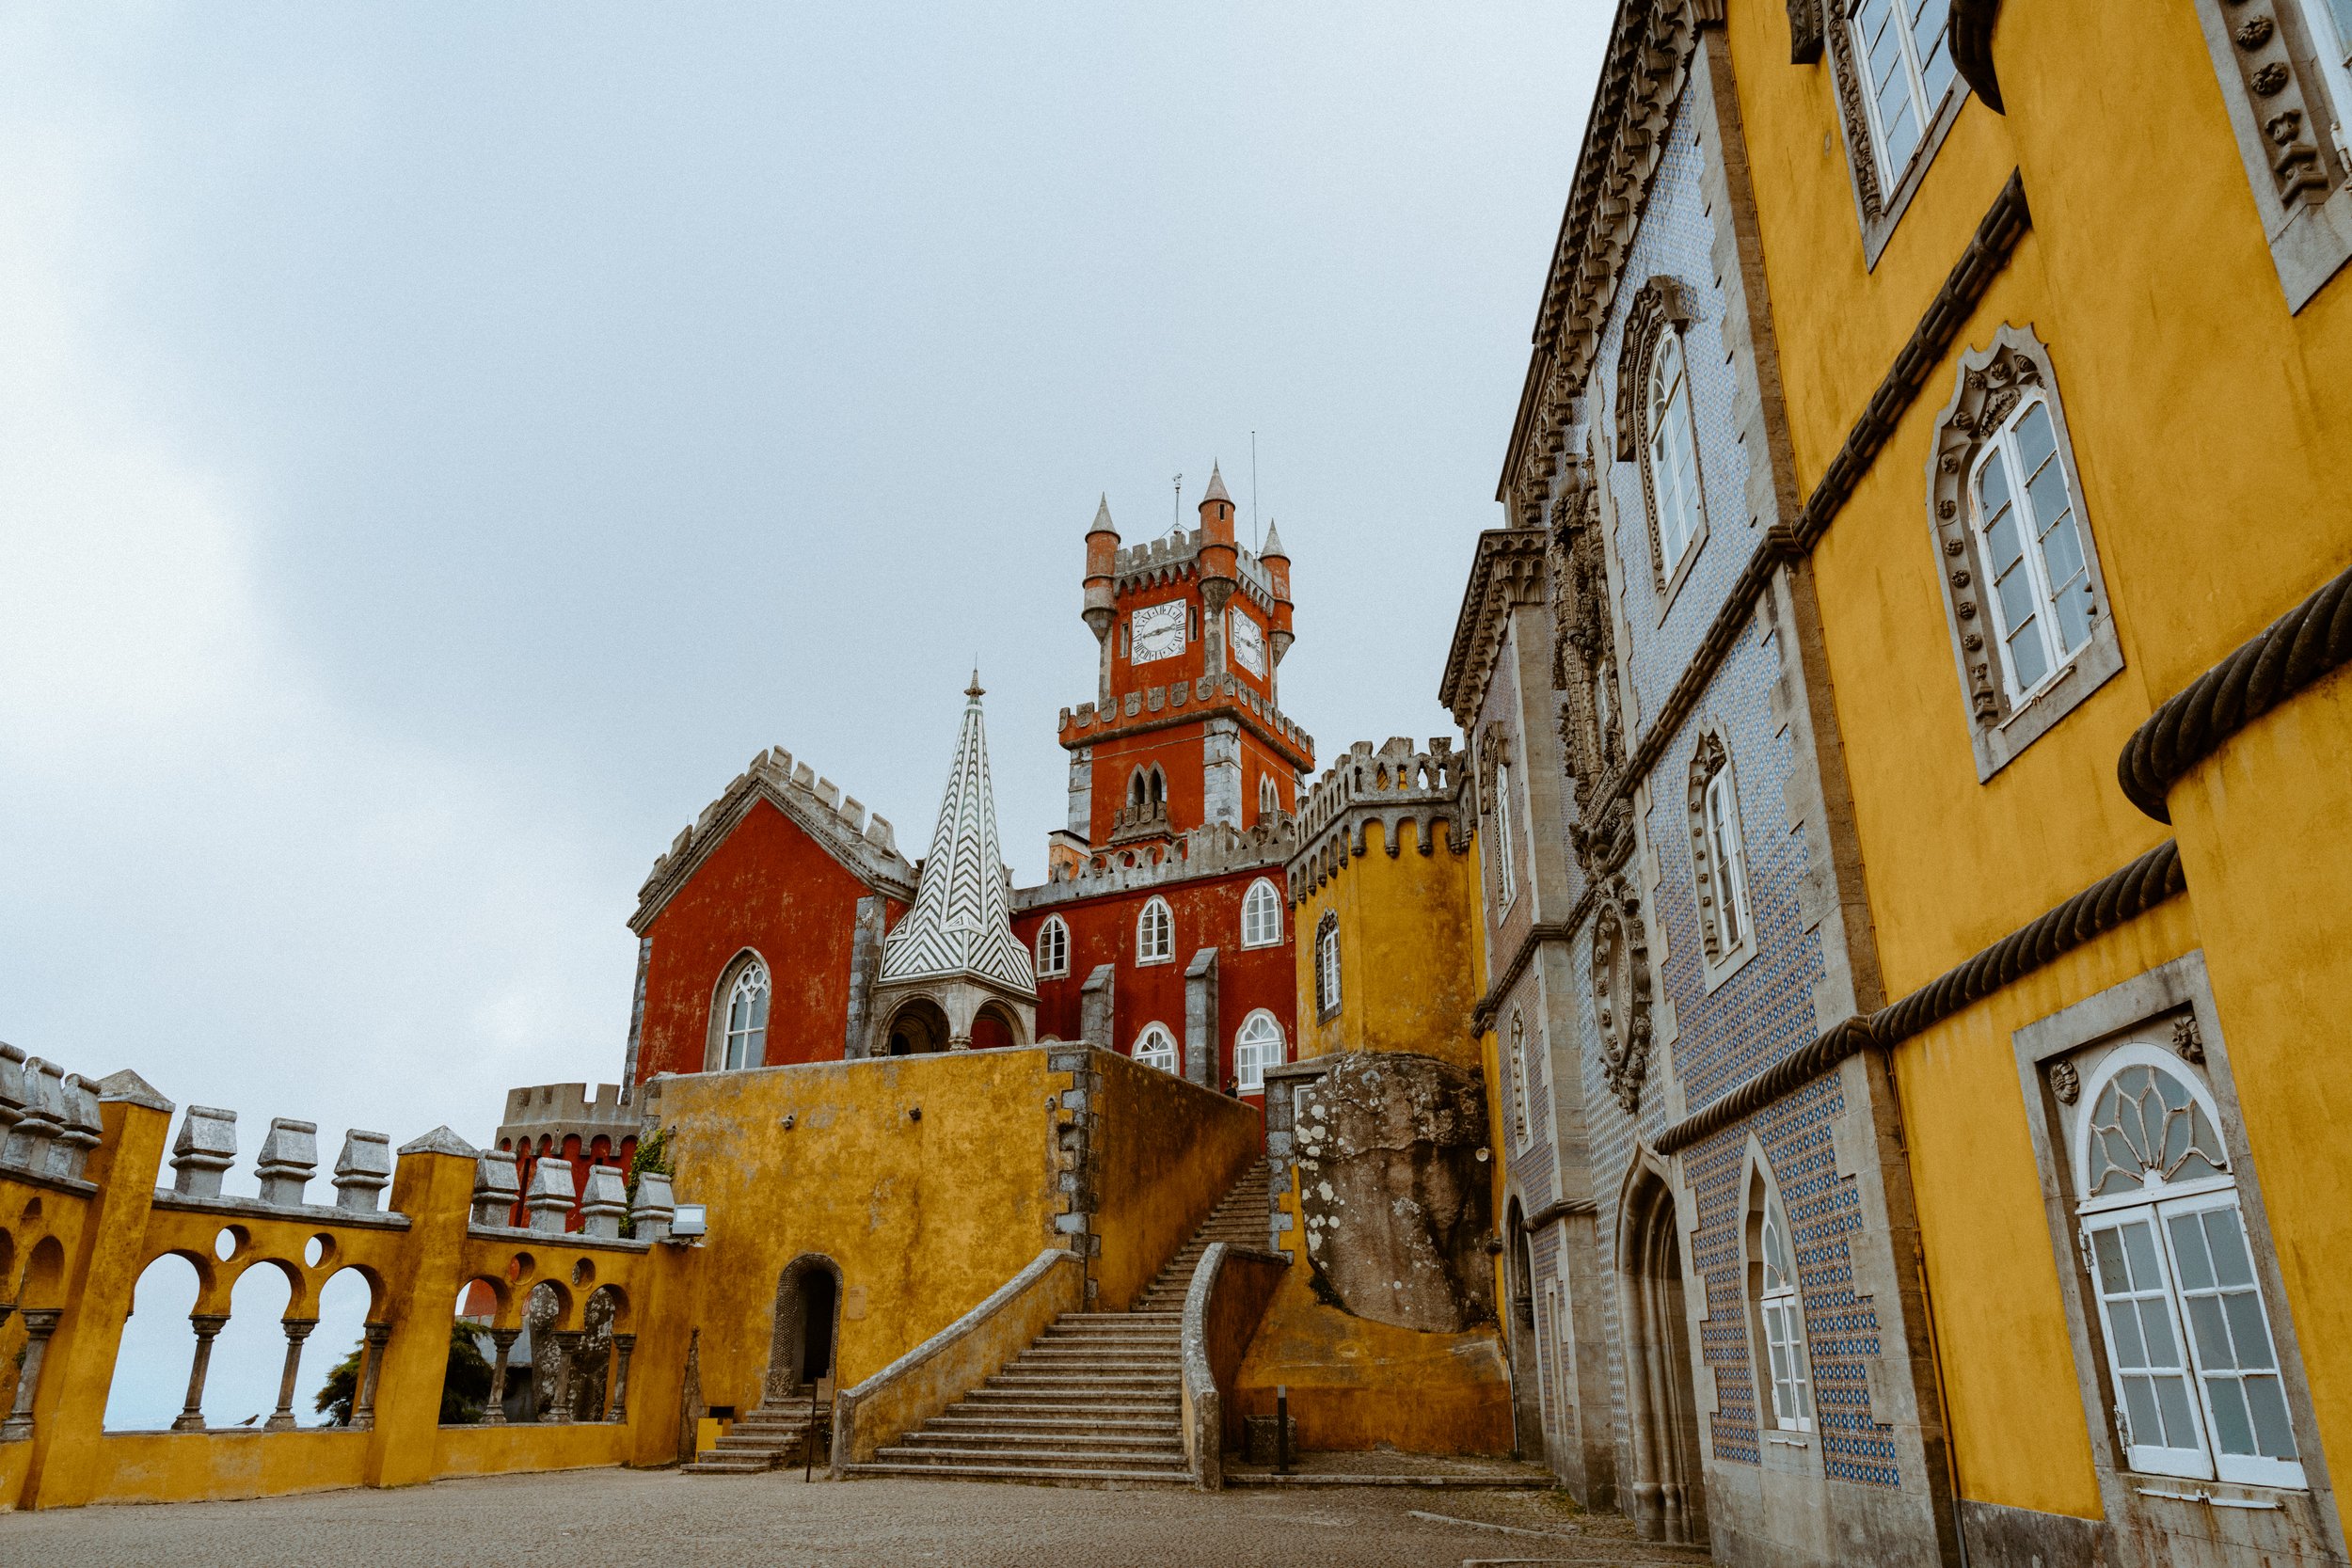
(1053, 947)
(1155, 1047)
(1717, 862)
(1785, 1371)
(743, 1033)
(1656, 427)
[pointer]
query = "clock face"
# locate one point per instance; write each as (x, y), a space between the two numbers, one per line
(1248, 643)
(1156, 632)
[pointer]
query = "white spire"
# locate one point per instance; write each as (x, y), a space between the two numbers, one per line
(961, 923)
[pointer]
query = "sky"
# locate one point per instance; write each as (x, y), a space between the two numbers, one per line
(440, 445)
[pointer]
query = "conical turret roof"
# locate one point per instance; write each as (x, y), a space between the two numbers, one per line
(961, 923)
(1272, 549)
(1103, 523)
(1217, 487)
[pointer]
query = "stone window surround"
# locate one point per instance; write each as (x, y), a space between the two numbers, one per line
(1757, 1171)
(1996, 740)
(1327, 973)
(1143, 955)
(715, 1030)
(1661, 306)
(2135, 1503)
(1522, 1102)
(1715, 965)
(2303, 195)
(1275, 894)
(1878, 211)
(1053, 922)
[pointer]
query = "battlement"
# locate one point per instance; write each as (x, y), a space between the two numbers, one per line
(1211, 850)
(838, 821)
(1171, 556)
(558, 1109)
(1393, 785)
(1156, 705)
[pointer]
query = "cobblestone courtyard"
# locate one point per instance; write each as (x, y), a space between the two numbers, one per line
(677, 1521)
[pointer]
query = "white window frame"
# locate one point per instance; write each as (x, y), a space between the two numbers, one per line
(1155, 1047)
(2331, 41)
(751, 1032)
(2156, 1204)
(1155, 943)
(1671, 451)
(1053, 947)
(2003, 447)
(1506, 864)
(1720, 806)
(1266, 903)
(1786, 1367)
(1254, 1054)
(1913, 68)
(1522, 1119)
(1326, 965)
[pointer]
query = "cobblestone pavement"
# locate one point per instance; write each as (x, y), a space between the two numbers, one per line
(667, 1520)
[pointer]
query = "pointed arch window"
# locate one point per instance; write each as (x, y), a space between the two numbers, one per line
(2194, 1368)
(1155, 1047)
(1261, 915)
(1718, 861)
(1520, 1119)
(1053, 947)
(743, 1015)
(1155, 933)
(1257, 1046)
(1786, 1385)
(1657, 426)
(1326, 965)
(1269, 796)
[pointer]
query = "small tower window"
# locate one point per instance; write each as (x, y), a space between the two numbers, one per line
(1155, 1047)
(1053, 947)
(1327, 965)
(1155, 933)
(1256, 1048)
(1261, 915)
(745, 1040)
(1269, 796)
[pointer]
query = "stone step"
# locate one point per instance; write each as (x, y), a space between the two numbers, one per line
(1109, 1360)
(1116, 1317)
(1139, 1426)
(998, 1403)
(1087, 1385)
(1122, 1459)
(1034, 1474)
(931, 1438)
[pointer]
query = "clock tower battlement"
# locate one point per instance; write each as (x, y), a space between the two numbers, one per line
(1184, 729)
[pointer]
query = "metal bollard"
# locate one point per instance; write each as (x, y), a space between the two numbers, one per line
(1281, 1428)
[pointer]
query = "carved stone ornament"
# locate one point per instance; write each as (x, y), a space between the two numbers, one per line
(1494, 750)
(2188, 1040)
(2281, 98)
(1584, 663)
(1660, 305)
(2066, 1083)
(1804, 32)
(1621, 995)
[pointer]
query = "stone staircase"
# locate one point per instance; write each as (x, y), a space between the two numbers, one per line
(770, 1437)
(1095, 1400)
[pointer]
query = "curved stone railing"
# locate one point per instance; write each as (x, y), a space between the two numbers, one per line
(1231, 1289)
(956, 1359)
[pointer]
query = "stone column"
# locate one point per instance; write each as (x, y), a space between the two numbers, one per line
(298, 1330)
(495, 1414)
(375, 1335)
(40, 1323)
(208, 1327)
(567, 1347)
(623, 1344)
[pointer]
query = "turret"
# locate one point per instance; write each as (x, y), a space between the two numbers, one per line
(1277, 570)
(1102, 567)
(1217, 561)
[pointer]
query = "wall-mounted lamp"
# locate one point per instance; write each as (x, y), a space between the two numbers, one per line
(690, 1223)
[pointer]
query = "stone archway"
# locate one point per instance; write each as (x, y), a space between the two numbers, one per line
(919, 1028)
(1526, 1396)
(803, 1346)
(995, 1026)
(1668, 1495)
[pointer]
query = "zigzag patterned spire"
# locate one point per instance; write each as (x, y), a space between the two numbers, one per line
(961, 923)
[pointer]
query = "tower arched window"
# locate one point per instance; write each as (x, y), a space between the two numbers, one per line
(1327, 965)
(1155, 933)
(2194, 1368)
(1158, 787)
(1257, 1046)
(1261, 915)
(1053, 946)
(1269, 796)
(742, 1014)
(1155, 1047)
(1777, 1324)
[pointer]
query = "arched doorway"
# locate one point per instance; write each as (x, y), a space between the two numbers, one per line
(1527, 1399)
(993, 1026)
(919, 1028)
(1669, 1499)
(807, 1328)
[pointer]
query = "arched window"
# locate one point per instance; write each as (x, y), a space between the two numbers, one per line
(1519, 1081)
(1257, 1046)
(1155, 1047)
(1904, 49)
(1269, 796)
(1785, 1389)
(2198, 1389)
(1261, 915)
(1671, 451)
(1327, 965)
(1053, 946)
(1137, 789)
(1155, 933)
(744, 1038)
(1506, 868)
(2032, 543)
(1718, 862)
(1159, 787)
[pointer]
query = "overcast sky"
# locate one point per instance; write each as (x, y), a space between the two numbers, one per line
(440, 445)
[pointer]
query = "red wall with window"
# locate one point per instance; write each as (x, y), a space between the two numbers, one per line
(770, 887)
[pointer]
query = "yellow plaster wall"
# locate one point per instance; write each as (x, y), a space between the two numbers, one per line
(145, 1466)
(1165, 1153)
(1408, 974)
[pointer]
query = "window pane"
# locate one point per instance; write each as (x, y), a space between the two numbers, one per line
(2180, 1426)
(2140, 1248)
(2113, 1281)
(2229, 1246)
(2037, 439)
(2139, 1402)
(2123, 1327)
(2188, 1252)
(2274, 1434)
(2339, 12)
(2213, 1335)
(2248, 1331)
(2232, 1432)
(1930, 35)
(2155, 1327)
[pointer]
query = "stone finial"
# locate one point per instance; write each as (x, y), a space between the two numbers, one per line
(42, 1119)
(603, 1204)
(363, 1170)
(549, 1201)
(82, 1130)
(496, 1187)
(289, 1157)
(12, 1089)
(207, 1145)
(654, 1207)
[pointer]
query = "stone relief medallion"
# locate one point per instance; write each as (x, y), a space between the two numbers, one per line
(1621, 996)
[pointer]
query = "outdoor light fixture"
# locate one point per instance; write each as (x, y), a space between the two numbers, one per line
(689, 1224)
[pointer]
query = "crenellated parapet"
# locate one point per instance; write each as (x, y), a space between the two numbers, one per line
(1395, 786)
(49, 1119)
(1175, 556)
(865, 843)
(1206, 851)
(1184, 702)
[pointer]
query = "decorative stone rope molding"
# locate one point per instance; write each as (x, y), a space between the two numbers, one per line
(2293, 652)
(2115, 899)
(1971, 24)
